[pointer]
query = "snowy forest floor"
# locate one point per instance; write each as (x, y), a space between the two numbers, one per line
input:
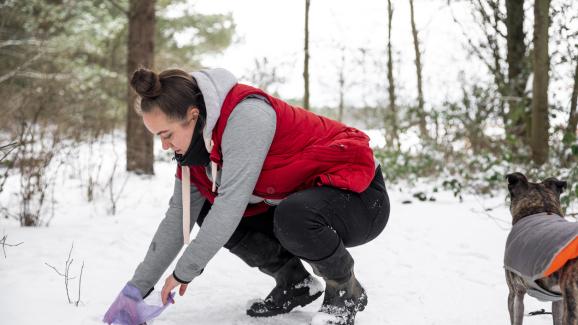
(435, 263)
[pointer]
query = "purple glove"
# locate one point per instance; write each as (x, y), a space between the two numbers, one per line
(130, 309)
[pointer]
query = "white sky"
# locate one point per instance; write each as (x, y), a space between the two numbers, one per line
(275, 28)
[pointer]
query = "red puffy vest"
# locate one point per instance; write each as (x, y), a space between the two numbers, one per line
(307, 150)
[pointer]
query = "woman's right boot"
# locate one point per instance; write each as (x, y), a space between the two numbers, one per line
(294, 285)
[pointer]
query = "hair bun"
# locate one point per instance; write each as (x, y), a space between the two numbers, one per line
(146, 83)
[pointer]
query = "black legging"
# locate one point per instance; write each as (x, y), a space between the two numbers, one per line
(312, 223)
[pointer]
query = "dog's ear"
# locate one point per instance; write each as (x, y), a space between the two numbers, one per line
(555, 184)
(515, 180)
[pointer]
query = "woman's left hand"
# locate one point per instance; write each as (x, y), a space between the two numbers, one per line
(170, 284)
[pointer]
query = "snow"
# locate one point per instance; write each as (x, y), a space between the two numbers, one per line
(435, 263)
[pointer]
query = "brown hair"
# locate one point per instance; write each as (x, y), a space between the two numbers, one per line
(173, 91)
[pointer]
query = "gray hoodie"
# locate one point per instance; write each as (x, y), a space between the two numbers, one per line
(246, 141)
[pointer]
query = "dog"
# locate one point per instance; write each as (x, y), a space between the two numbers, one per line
(541, 256)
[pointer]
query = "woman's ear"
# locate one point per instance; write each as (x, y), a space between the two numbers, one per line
(192, 113)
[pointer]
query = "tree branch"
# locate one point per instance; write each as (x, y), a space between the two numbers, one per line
(17, 70)
(4, 244)
(119, 7)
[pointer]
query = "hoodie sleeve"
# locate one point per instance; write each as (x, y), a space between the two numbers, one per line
(246, 141)
(167, 241)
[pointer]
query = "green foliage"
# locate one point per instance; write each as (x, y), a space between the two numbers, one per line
(472, 153)
(399, 165)
(69, 57)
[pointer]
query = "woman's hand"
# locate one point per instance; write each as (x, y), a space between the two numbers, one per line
(170, 284)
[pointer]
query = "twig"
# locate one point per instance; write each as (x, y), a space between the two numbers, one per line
(67, 276)
(4, 244)
(496, 220)
(79, 284)
(7, 149)
(55, 270)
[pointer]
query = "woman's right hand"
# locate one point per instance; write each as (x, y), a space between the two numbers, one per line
(124, 309)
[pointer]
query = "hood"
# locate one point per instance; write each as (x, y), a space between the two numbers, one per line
(215, 84)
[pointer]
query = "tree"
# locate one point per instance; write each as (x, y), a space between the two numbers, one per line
(341, 82)
(141, 46)
(573, 119)
(63, 68)
(264, 75)
(391, 115)
(418, 67)
(518, 71)
(540, 121)
(306, 63)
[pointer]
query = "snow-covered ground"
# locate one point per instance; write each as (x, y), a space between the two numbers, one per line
(435, 263)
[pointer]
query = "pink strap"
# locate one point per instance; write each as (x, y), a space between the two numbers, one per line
(186, 198)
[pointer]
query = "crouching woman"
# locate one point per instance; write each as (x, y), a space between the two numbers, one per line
(273, 183)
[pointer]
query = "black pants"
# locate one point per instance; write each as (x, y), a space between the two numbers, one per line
(312, 223)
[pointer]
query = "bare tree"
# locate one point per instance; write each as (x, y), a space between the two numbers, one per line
(265, 75)
(306, 62)
(141, 44)
(541, 66)
(39, 145)
(392, 136)
(418, 67)
(341, 80)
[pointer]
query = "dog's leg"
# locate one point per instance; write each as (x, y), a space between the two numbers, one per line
(515, 298)
(569, 287)
(558, 312)
(518, 308)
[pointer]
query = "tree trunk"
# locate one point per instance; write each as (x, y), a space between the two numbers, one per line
(391, 114)
(341, 86)
(418, 66)
(306, 63)
(573, 120)
(141, 42)
(540, 123)
(517, 125)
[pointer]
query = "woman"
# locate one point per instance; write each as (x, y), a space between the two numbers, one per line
(273, 183)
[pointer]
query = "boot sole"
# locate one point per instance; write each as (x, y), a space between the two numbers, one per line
(275, 312)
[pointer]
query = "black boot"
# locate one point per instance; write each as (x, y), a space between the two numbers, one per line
(294, 285)
(344, 295)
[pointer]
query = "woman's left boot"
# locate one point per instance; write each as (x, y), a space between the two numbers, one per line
(294, 286)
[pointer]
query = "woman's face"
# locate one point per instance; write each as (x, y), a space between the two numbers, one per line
(174, 134)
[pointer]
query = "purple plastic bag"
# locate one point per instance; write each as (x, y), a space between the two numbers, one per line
(130, 309)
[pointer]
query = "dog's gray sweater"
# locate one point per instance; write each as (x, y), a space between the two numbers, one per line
(533, 244)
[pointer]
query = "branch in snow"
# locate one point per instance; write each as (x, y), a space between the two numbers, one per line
(67, 277)
(4, 244)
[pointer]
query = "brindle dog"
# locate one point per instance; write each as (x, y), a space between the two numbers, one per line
(529, 198)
